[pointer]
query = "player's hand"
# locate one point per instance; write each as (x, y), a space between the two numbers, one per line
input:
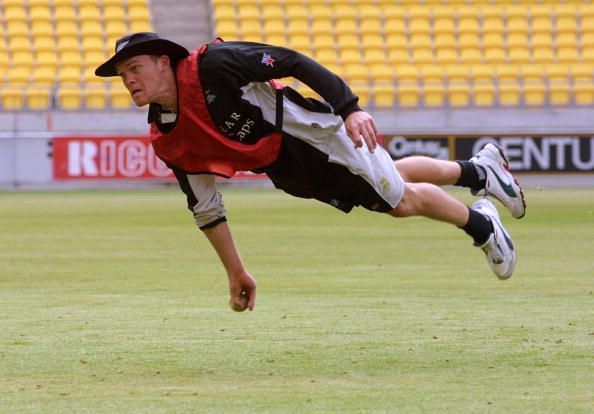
(361, 126)
(242, 288)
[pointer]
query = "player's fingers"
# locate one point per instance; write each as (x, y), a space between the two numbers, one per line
(252, 299)
(370, 138)
(355, 134)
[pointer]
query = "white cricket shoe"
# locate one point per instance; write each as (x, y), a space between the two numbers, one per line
(499, 247)
(500, 183)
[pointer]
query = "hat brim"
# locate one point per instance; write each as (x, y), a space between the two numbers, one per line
(150, 47)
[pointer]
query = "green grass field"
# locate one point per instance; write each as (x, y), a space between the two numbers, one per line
(113, 302)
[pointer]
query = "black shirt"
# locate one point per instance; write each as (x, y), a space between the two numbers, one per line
(228, 66)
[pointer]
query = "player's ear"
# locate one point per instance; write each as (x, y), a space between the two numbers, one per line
(163, 62)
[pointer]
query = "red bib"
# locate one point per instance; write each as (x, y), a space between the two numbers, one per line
(195, 144)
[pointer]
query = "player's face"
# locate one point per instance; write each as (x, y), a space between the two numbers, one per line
(142, 76)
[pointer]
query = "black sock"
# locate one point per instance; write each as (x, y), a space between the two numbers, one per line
(479, 227)
(472, 175)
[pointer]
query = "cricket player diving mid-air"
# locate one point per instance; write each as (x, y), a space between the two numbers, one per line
(218, 110)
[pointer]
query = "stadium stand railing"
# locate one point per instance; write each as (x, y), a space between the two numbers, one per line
(433, 53)
(50, 48)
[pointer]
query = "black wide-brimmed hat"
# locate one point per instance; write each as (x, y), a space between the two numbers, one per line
(142, 43)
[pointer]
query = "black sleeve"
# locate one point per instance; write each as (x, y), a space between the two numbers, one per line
(239, 63)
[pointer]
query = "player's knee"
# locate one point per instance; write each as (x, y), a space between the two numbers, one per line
(415, 200)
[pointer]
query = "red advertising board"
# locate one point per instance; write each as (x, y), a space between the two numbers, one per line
(112, 158)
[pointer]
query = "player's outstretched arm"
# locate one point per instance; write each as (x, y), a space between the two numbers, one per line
(242, 286)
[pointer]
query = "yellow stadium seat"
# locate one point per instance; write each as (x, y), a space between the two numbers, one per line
(468, 41)
(508, 85)
(70, 58)
(541, 40)
(363, 93)
(68, 43)
(369, 26)
(321, 11)
(419, 26)
(227, 30)
(420, 40)
(395, 41)
(69, 96)
(444, 25)
(18, 75)
(346, 26)
(422, 56)
(517, 25)
(274, 27)
(398, 56)
(114, 13)
(64, 13)
(12, 97)
(44, 75)
(120, 97)
(89, 13)
(373, 56)
(138, 12)
(542, 25)
(251, 29)
(534, 89)
(543, 55)
(272, 11)
(565, 25)
(91, 28)
(567, 55)
(444, 40)
(38, 97)
(351, 57)
(327, 56)
(323, 42)
(322, 26)
(468, 25)
(483, 89)
(457, 85)
(517, 40)
(116, 27)
(46, 59)
(490, 40)
(69, 74)
(42, 29)
(559, 85)
(492, 25)
(470, 56)
(494, 55)
(519, 55)
(15, 12)
(95, 97)
(394, 25)
(446, 56)
(384, 95)
(40, 13)
(372, 41)
(299, 42)
(381, 73)
(276, 39)
(583, 93)
(408, 95)
(345, 11)
(140, 26)
(296, 26)
(434, 91)
(67, 28)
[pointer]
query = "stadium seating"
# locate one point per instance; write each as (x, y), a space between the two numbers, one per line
(487, 52)
(506, 53)
(49, 49)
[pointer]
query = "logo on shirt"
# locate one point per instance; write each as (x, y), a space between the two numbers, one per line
(267, 60)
